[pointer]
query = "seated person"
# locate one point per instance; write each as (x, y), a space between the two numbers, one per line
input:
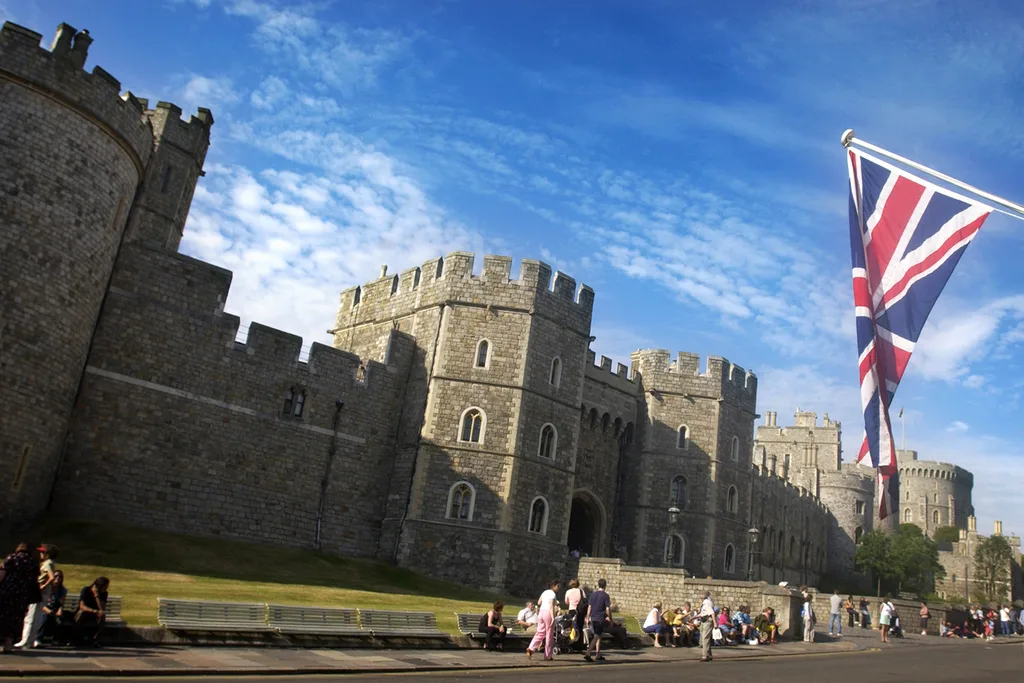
(654, 625)
(725, 626)
(741, 622)
(762, 624)
(946, 630)
(676, 623)
(527, 619)
(91, 615)
(54, 607)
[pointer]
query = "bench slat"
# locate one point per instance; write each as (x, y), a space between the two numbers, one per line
(391, 623)
(198, 615)
(320, 620)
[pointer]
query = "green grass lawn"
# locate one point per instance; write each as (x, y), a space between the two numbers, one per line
(143, 565)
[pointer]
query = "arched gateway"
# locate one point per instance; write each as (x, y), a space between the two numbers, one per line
(586, 525)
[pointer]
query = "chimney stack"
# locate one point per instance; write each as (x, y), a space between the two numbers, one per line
(998, 531)
(972, 524)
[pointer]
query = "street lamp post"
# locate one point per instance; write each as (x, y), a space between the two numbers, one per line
(755, 535)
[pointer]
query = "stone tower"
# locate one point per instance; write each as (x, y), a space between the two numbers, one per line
(933, 494)
(74, 157)
(694, 437)
(483, 480)
(73, 154)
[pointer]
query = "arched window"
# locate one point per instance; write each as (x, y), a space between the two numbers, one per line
(461, 499)
(555, 377)
(394, 285)
(935, 516)
(675, 550)
(593, 417)
(735, 449)
(732, 500)
(300, 403)
(605, 419)
(683, 437)
(730, 559)
(907, 515)
(289, 401)
(678, 491)
(858, 534)
(483, 353)
(472, 426)
(548, 442)
(539, 516)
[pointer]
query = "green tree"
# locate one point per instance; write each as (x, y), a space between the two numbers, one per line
(914, 560)
(947, 534)
(992, 560)
(873, 556)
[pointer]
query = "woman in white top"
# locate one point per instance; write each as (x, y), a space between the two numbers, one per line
(885, 617)
(548, 606)
(654, 625)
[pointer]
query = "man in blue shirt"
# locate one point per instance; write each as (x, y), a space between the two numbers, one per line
(741, 620)
(599, 615)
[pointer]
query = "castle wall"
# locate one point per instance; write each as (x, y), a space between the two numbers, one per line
(71, 155)
(793, 541)
(178, 427)
(850, 497)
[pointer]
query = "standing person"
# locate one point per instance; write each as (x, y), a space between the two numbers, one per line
(835, 615)
(575, 601)
(495, 639)
(545, 622)
(707, 624)
(808, 617)
(19, 588)
(1004, 619)
(885, 617)
(599, 615)
(91, 614)
(925, 615)
(34, 617)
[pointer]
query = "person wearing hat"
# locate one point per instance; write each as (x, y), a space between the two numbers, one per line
(707, 624)
(35, 616)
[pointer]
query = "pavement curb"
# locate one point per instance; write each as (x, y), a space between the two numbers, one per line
(171, 672)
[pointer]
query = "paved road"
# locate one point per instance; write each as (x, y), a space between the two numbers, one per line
(959, 662)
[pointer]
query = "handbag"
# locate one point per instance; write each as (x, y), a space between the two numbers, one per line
(716, 634)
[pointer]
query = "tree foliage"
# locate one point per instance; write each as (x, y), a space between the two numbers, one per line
(992, 560)
(947, 534)
(906, 560)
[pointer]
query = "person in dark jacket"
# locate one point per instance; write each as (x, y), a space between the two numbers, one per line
(19, 588)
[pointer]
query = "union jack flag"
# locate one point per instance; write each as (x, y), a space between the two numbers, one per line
(906, 237)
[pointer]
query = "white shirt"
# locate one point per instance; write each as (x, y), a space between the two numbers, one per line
(886, 609)
(707, 608)
(1004, 614)
(527, 615)
(835, 602)
(547, 600)
(573, 597)
(653, 618)
(808, 611)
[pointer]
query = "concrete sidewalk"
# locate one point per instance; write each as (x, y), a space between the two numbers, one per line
(171, 660)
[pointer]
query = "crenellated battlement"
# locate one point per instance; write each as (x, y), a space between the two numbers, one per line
(59, 73)
(192, 136)
(720, 378)
(621, 378)
(450, 279)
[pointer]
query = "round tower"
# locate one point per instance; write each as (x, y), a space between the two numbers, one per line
(934, 494)
(72, 153)
(850, 497)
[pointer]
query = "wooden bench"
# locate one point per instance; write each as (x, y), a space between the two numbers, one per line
(199, 615)
(469, 625)
(329, 621)
(391, 623)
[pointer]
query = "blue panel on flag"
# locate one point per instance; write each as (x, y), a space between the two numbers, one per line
(939, 211)
(874, 178)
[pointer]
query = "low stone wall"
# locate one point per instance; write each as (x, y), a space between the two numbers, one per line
(909, 612)
(634, 590)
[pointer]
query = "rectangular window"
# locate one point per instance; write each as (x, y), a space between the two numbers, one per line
(860, 507)
(19, 476)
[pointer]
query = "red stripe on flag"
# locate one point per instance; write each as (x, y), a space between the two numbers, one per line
(935, 257)
(861, 295)
(895, 216)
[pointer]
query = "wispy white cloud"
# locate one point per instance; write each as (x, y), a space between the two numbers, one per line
(957, 426)
(204, 91)
(269, 94)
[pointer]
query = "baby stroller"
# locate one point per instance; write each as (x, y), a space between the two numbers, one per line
(895, 629)
(567, 636)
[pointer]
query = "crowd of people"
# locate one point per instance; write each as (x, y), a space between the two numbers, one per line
(986, 623)
(681, 626)
(33, 608)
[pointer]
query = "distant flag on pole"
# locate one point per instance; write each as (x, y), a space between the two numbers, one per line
(906, 237)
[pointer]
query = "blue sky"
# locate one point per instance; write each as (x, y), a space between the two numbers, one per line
(680, 158)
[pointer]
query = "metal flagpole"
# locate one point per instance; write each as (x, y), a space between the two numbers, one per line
(849, 139)
(903, 432)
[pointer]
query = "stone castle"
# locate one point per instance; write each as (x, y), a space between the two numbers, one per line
(458, 425)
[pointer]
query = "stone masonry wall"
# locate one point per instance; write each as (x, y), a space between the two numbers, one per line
(634, 590)
(179, 427)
